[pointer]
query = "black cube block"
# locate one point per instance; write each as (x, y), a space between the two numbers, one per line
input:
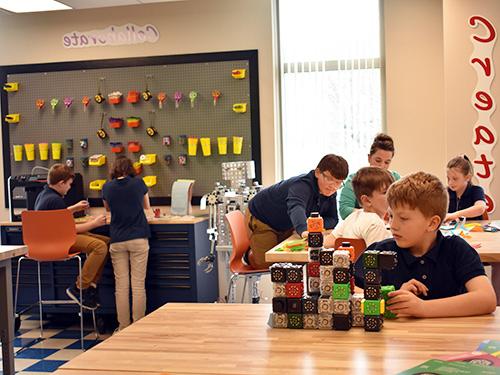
(294, 305)
(326, 257)
(341, 276)
(280, 304)
(278, 272)
(373, 323)
(315, 239)
(310, 305)
(372, 291)
(294, 273)
(314, 254)
(388, 260)
(342, 322)
(372, 276)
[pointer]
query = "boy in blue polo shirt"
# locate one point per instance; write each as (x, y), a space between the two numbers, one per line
(436, 276)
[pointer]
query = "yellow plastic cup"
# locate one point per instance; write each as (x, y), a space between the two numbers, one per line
(205, 146)
(192, 144)
(30, 151)
(222, 145)
(43, 149)
(56, 151)
(237, 145)
(18, 152)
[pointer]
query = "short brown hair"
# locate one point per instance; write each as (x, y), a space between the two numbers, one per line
(121, 167)
(382, 142)
(59, 172)
(420, 190)
(463, 164)
(370, 179)
(336, 165)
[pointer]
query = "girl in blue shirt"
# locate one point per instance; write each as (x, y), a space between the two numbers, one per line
(466, 199)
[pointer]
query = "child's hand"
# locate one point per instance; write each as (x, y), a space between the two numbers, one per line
(415, 286)
(406, 303)
(100, 220)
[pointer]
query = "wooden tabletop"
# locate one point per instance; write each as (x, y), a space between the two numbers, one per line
(7, 252)
(489, 251)
(152, 221)
(235, 339)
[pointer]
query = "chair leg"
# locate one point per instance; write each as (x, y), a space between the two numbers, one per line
(255, 289)
(17, 283)
(231, 292)
(95, 325)
(244, 289)
(81, 299)
(40, 299)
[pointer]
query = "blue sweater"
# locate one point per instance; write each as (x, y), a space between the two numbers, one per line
(288, 203)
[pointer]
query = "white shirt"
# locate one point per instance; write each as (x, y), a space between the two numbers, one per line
(360, 224)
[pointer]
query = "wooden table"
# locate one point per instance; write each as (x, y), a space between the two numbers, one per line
(6, 309)
(235, 339)
(489, 253)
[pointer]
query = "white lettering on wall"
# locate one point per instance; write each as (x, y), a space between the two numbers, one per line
(111, 36)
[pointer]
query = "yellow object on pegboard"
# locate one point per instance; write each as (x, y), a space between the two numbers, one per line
(238, 73)
(149, 180)
(147, 159)
(11, 86)
(96, 184)
(13, 118)
(192, 146)
(240, 107)
(97, 160)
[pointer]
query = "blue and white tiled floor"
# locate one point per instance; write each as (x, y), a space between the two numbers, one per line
(61, 344)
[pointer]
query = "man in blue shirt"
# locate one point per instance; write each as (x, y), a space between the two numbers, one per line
(275, 212)
(59, 181)
(436, 276)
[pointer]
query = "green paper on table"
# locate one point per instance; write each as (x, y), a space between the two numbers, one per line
(295, 245)
(435, 366)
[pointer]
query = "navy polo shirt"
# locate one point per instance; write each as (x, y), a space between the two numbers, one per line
(49, 199)
(288, 203)
(125, 197)
(471, 195)
(444, 269)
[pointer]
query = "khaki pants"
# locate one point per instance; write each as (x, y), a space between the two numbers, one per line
(130, 261)
(96, 248)
(262, 239)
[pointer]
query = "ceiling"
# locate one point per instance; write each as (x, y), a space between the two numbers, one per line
(87, 4)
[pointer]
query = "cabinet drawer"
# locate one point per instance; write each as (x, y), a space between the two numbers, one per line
(171, 236)
(12, 235)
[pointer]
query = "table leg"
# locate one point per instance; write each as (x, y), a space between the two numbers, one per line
(6, 317)
(495, 280)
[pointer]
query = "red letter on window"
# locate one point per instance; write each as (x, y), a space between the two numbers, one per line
(486, 163)
(491, 30)
(485, 99)
(486, 65)
(483, 134)
(490, 205)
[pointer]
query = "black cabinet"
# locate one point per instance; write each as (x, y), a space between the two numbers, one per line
(172, 274)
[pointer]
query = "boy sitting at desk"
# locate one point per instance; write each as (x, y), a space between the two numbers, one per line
(370, 186)
(59, 182)
(436, 276)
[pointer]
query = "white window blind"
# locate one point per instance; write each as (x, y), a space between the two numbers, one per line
(331, 81)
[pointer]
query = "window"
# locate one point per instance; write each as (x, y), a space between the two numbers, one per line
(331, 95)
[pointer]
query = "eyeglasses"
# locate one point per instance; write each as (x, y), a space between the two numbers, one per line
(333, 181)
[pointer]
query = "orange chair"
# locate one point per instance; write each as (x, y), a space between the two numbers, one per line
(358, 244)
(240, 240)
(49, 236)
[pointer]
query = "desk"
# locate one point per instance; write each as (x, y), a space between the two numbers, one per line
(235, 339)
(6, 310)
(489, 252)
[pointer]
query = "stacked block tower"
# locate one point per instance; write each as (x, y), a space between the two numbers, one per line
(329, 301)
(373, 305)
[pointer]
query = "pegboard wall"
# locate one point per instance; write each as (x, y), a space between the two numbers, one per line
(65, 124)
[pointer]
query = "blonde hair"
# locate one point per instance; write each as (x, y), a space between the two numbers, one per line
(420, 190)
(463, 164)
